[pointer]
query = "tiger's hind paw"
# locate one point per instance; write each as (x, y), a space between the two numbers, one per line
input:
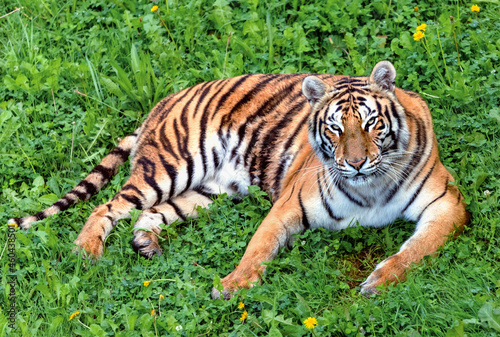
(146, 244)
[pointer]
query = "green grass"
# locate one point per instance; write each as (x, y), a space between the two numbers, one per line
(123, 58)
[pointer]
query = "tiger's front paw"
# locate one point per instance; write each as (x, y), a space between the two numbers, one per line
(239, 278)
(391, 270)
(89, 247)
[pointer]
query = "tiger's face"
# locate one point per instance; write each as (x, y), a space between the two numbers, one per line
(357, 126)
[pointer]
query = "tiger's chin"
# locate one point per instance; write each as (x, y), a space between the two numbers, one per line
(360, 180)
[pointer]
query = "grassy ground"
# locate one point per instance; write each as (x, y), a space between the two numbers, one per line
(76, 75)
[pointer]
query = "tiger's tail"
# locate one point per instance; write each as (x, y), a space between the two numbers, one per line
(95, 180)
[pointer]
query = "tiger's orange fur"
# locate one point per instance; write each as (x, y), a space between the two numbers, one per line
(328, 149)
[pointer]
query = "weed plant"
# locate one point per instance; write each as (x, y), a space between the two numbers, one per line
(77, 75)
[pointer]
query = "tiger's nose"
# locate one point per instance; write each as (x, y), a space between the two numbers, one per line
(356, 164)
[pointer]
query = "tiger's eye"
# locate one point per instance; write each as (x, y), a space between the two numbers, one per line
(371, 121)
(336, 128)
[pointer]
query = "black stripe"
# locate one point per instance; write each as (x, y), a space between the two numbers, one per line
(105, 172)
(394, 113)
(80, 195)
(203, 192)
(132, 199)
(206, 89)
(64, 203)
(40, 215)
(417, 192)
(305, 221)
(413, 94)
(167, 146)
(121, 153)
(300, 126)
(325, 203)
(216, 158)
(175, 99)
(164, 219)
(433, 201)
(133, 188)
(341, 188)
(355, 80)
(185, 109)
(172, 173)
(182, 144)
(149, 173)
(88, 186)
(251, 148)
(350, 89)
(291, 194)
(316, 121)
(177, 210)
(155, 211)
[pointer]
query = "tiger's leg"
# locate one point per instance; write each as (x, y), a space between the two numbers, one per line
(440, 218)
(136, 193)
(147, 228)
(284, 219)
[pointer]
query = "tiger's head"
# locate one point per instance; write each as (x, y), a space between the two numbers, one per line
(357, 126)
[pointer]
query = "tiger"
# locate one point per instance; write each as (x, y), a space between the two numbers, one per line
(330, 150)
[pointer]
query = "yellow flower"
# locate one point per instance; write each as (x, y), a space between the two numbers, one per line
(244, 316)
(154, 8)
(415, 8)
(162, 297)
(153, 312)
(310, 322)
(73, 315)
(146, 283)
(475, 8)
(418, 36)
(421, 27)
(13, 225)
(241, 305)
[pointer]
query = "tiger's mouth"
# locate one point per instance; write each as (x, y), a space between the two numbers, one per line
(359, 177)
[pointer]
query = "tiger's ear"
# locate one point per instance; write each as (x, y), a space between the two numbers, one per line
(313, 88)
(383, 75)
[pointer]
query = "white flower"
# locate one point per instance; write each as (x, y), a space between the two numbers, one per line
(178, 328)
